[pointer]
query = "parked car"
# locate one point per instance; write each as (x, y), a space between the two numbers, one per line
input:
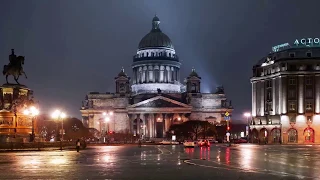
(204, 143)
(189, 144)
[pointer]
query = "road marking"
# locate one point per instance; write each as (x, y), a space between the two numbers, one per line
(258, 171)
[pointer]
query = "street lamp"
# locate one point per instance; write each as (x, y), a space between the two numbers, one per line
(59, 115)
(247, 115)
(33, 112)
(107, 117)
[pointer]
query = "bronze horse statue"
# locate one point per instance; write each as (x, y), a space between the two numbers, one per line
(15, 69)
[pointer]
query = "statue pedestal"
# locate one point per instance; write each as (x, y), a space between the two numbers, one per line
(14, 125)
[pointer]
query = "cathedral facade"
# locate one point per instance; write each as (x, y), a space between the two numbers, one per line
(154, 99)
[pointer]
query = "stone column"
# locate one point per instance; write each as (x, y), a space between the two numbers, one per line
(138, 124)
(273, 96)
(279, 91)
(150, 79)
(301, 94)
(156, 73)
(262, 89)
(317, 94)
(144, 74)
(168, 74)
(172, 74)
(134, 76)
(164, 125)
(254, 101)
(284, 94)
(139, 72)
(155, 125)
(130, 123)
(161, 77)
(146, 123)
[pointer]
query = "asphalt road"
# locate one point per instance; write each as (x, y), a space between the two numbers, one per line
(165, 162)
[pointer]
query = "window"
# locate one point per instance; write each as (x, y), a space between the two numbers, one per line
(292, 54)
(308, 106)
(308, 81)
(269, 84)
(269, 96)
(292, 81)
(309, 93)
(292, 93)
(293, 67)
(309, 119)
(292, 106)
(309, 54)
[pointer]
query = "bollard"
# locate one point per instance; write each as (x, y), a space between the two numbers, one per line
(60, 145)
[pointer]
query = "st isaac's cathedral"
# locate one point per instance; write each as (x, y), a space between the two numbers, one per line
(154, 99)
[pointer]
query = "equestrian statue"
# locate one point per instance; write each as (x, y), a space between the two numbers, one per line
(14, 68)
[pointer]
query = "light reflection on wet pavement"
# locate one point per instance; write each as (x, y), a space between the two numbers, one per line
(165, 162)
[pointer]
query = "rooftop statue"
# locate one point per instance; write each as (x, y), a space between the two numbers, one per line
(14, 68)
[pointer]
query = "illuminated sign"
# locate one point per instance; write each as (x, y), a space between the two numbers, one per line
(280, 46)
(304, 42)
(307, 42)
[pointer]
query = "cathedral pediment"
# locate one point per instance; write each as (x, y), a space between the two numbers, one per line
(159, 102)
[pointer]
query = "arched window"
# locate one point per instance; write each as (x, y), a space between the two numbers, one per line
(254, 136)
(308, 135)
(292, 135)
(263, 136)
(276, 135)
(194, 88)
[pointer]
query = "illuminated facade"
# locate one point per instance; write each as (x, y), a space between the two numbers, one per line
(154, 99)
(286, 94)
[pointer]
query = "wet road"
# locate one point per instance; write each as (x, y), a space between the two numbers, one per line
(165, 162)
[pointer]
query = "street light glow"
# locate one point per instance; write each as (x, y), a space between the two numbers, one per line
(104, 113)
(111, 113)
(32, 111)
(247, 114)
(107, 119)
(58, 114)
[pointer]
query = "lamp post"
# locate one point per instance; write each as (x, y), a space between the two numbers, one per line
(59, 115)
(247, 115)
(107, 118)
(33, 112)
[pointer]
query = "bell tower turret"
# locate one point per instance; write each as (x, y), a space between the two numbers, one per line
(193, 82)
(122, 83)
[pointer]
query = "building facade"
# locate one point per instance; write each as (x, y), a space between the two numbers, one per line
(286, 94)
(154, 99)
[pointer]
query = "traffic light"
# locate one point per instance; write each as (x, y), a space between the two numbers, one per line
(228, 128)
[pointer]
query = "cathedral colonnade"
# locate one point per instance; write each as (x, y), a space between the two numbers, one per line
(153, 125)
(155, 74)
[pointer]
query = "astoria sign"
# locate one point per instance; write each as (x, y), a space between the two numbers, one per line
(304, 42)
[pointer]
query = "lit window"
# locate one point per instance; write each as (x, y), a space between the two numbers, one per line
(292, 106)
(309, 106)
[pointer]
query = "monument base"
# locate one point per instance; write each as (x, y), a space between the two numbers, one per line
(14, 125)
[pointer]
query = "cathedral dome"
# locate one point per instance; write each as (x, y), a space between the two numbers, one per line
(155, 38)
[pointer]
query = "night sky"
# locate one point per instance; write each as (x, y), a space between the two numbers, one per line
(73, 47)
